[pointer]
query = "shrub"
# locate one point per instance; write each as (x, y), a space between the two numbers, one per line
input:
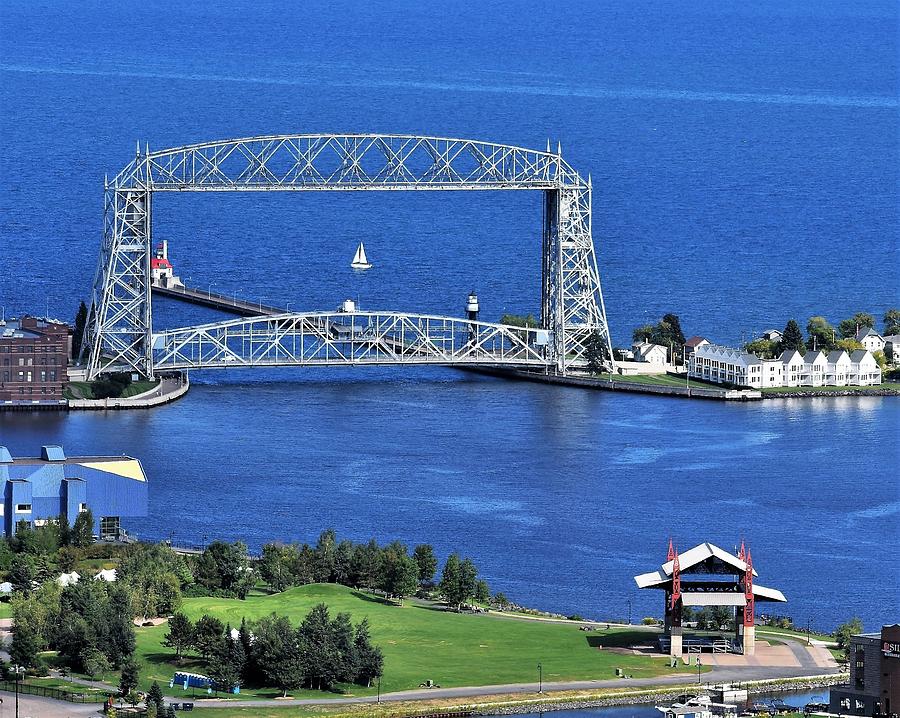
(649, 621)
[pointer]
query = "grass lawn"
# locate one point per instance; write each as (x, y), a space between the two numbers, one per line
(660, 380)
(830, 389)
(5, 609)
(421, 643)
(82, 389)
(793, 633)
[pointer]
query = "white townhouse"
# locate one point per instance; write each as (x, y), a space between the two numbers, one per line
(815, 369)
(721, 365)
(864, 370)
(838, 371)
(650, 353)
(870, 339)
(794, 368)
(772, 372)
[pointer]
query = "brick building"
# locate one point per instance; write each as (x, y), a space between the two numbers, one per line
(34, 355)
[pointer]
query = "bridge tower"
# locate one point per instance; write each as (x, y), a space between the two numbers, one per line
(119, 332)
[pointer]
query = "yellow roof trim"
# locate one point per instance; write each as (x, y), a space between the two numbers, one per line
(129, 468)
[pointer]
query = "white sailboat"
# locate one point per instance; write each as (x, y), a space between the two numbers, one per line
(360, 261)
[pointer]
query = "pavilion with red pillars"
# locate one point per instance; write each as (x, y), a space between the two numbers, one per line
(707, 575)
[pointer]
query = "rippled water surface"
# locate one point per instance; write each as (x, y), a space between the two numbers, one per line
(744, 159)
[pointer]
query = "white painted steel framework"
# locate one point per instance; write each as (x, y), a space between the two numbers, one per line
(119, 331)
(322, 339)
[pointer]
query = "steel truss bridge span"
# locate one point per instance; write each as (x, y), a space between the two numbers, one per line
(119, 332)
(346, 339)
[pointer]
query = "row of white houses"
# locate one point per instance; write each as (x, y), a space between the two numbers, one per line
(723, 365)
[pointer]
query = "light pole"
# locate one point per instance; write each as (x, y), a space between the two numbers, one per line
(19, 671)
(698, 669)
(209, 291)
(629, 611)
(378, 698)
(540, 678)
(808, 642)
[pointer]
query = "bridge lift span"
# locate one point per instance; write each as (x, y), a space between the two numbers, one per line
(119, 333)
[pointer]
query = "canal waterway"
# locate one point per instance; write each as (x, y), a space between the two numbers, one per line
(744, 160)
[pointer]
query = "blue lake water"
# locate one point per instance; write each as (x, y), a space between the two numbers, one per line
(745, 169)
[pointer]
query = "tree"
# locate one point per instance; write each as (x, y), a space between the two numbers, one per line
(326, 547)
(94, 662)
(468, 575)
(22, 573)
(792, 338)
(78, 333)
(400, 572)
(129, 679)
(224, 566)
(891, 322)
(482, 591)
(320, 659)
(849, 327)
(274, 567)
(763, 348)
(849, 345)
(277, 653)
(83, 529)
(155, 697)
(25, 647)
(667, 332)
(344, 648)
(226, 666)
(595, 353)
(426, 561)
(369, 659)
(449, 584)
(643, 333)
(208, 635)
(843, 633)
(180, 635)
(820, 335)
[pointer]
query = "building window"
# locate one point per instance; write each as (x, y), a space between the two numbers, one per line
(23, 508)
(82, 507)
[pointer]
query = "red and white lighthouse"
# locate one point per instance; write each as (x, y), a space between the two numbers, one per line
(161, 272)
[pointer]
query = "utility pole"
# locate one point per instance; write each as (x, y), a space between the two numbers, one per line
(19, 671)
(629, 611)
(540, 668)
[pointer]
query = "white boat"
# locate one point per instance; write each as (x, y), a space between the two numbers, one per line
(360, 261)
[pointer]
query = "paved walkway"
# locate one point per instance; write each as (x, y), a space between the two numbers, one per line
(35, 707)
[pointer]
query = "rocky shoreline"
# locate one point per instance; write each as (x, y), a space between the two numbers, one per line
(654, 696)
(828, 394)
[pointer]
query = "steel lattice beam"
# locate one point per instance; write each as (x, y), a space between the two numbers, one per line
(119, 330)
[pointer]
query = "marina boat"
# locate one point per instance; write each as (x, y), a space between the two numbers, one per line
(360, 261)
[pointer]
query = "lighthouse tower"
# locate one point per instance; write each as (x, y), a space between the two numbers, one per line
(161, 273)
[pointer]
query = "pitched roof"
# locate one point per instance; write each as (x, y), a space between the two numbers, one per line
(864, 332)
(859, 355)
(789, 355)
(811, 357)
(835, 356)
(696, 341)
(714, 351)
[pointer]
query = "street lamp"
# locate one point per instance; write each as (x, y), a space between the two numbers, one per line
(378, 698)
(540, 678)
(19, 671)
(698, 669)
(629, 611)
(209, 291)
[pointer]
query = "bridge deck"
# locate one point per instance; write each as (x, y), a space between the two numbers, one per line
(232, 305)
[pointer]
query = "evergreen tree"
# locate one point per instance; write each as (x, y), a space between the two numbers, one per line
(22, 573)
(155, 697)
(180, 634)
(94, 662)
(129, 679)
(326, 548)
(369, 659)
(78, 333)
(274, 568)
(792, 338)
(343, 562)
(227, 664)
(320, 659)
(482, 592)
(426, 562)
(468, 575)
(595, 353)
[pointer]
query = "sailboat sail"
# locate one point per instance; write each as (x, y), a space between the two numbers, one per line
(360, 261)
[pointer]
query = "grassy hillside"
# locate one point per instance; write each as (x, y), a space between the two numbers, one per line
(421, 643)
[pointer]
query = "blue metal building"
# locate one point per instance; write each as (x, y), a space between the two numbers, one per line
(38, 490)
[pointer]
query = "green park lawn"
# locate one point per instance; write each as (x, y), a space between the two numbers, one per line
(659, 380)
(830, 389)
(420, 642)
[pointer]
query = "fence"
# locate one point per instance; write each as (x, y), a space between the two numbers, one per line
(57, 693)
